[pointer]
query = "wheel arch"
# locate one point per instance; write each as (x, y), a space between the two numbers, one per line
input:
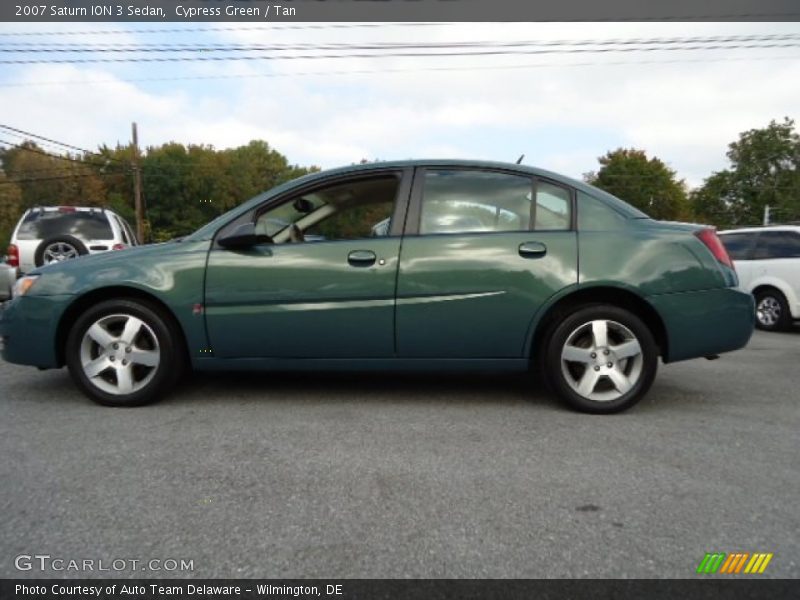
(600, 294)
(772, 284)
(81, 303)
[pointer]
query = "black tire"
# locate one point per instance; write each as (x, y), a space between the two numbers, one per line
(63, 240)
(772, 311)
(603, 366)
(157, 337)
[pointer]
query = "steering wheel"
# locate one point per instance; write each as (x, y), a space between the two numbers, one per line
(295, 234)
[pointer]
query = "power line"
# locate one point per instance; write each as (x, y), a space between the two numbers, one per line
(103, 48)
(43, 153)
(51, 141)
(401, 70)
(392, 54)
(62, 178)
(765, 16)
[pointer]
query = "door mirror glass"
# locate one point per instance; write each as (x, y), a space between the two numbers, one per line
(244, 236)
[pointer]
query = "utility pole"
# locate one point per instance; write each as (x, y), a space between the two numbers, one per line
(766, 215)
(137, 186)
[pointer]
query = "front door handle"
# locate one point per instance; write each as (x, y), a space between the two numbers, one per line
(532, 250)
(361, 258)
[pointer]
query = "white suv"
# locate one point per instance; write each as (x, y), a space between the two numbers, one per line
(55, 233)
(767, 261)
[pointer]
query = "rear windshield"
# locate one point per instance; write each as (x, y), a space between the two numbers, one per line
(83, 225)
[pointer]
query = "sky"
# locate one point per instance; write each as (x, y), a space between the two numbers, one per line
(562, 111)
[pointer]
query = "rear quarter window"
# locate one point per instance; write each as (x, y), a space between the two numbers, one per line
(594, 215)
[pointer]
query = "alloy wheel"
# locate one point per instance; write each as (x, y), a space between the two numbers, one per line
(602, 360)
(119, 354)
(768, 311)
(58, 252)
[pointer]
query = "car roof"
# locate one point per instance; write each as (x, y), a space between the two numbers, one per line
(759, 229)
(65, 208)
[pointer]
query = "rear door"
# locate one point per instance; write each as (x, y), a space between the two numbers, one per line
(777, 254)
(484, 249)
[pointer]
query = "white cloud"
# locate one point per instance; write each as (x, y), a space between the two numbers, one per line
(563, 115)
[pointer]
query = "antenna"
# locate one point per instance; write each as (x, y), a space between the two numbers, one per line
(519, 160)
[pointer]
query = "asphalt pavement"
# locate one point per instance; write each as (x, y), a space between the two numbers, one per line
(386, 475)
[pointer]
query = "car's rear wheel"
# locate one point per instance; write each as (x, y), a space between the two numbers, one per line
(601, 359)
(772, 311)
(58, 249)
(124, 353)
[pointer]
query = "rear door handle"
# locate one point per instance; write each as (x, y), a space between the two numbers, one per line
(361, 258)
(532, 250)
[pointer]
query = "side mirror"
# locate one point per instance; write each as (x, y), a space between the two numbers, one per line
(244, 236)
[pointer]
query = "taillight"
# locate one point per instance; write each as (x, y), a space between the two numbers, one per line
(119, 246)
(13, 256)
(710, 238)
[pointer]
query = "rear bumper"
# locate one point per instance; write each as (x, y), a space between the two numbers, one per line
(28, 329)
(705, 323)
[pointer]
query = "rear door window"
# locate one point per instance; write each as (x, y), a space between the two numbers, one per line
(84, 225)
(471, 201)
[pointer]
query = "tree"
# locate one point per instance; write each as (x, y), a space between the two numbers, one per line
(764, 171)
(646, 183)
(10, 210)
(184, 186)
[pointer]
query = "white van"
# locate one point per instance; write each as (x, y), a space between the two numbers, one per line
(767, 261)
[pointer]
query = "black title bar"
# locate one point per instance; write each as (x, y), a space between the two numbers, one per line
(287, 11)
(710, 587)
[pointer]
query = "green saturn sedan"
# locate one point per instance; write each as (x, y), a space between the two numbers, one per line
(435, 265)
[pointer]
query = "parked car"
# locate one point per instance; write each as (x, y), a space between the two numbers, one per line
(49, 234)
(8, 276)
(767, 261)
(562, 277)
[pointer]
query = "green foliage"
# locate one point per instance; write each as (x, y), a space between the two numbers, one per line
(646, 183)
(184, 187)
(765, 170)
(10, 210)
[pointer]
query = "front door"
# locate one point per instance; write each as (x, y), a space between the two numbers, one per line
(324, 287)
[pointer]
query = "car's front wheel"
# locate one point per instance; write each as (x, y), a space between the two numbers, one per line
(601, 359)
(123, 353)
(772, 311)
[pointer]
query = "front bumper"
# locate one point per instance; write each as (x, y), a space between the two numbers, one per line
(28, 326)
(705, 323)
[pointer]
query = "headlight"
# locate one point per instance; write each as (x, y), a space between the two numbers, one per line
(23, 285)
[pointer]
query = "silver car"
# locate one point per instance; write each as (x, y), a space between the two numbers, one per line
(8, 276)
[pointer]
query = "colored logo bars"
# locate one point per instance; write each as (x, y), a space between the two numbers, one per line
(734, 563)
